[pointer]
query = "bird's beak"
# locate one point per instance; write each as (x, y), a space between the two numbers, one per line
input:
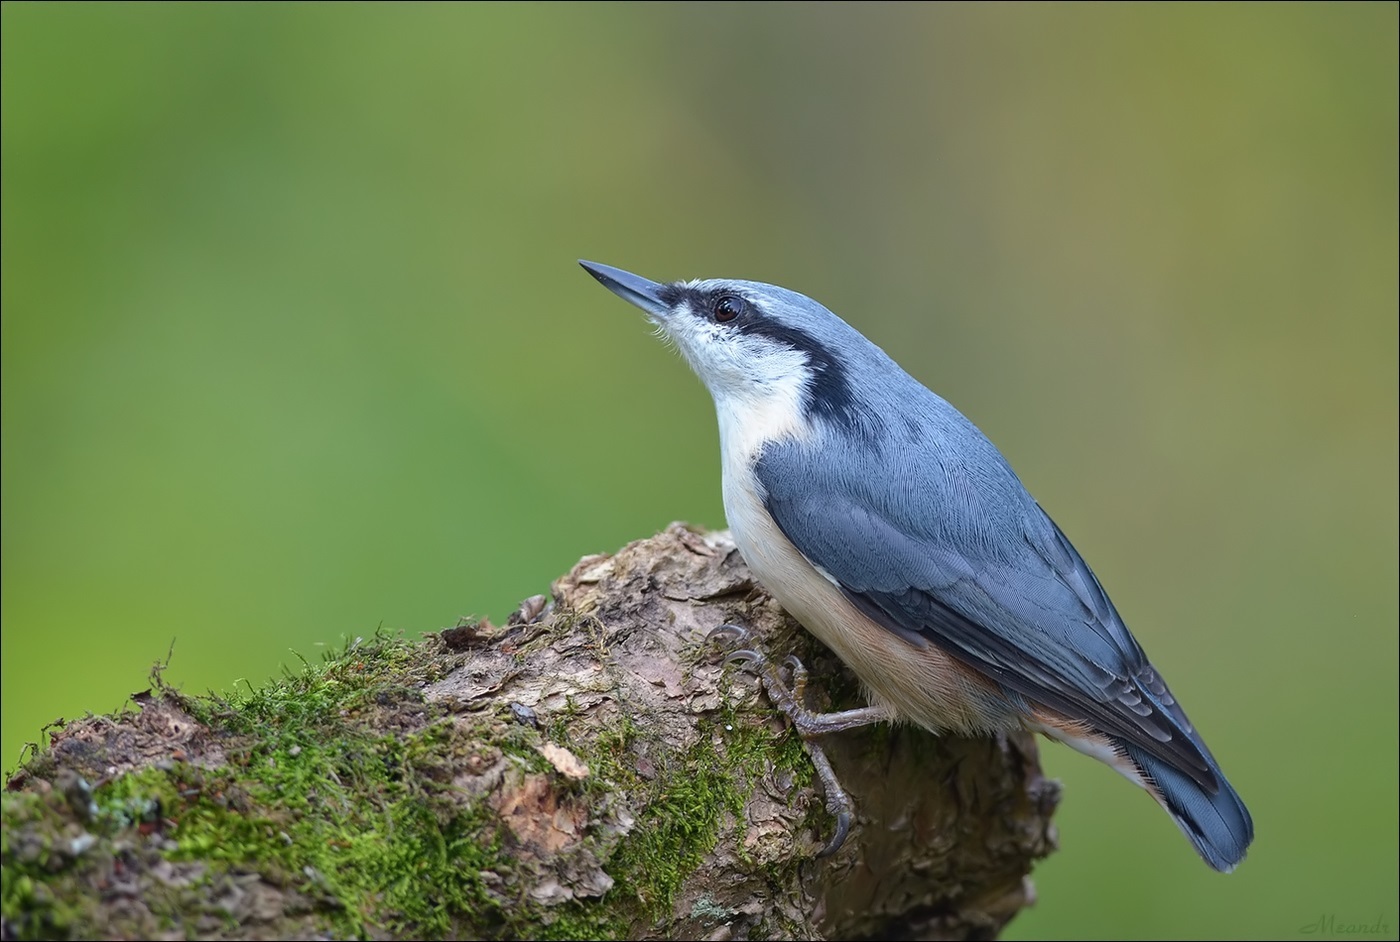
(629, 287)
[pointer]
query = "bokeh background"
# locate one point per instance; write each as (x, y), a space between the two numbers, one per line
(294, 346)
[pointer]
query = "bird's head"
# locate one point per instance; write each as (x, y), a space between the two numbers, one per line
(752, 344)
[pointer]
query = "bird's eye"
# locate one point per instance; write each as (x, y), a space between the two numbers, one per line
(728, 307)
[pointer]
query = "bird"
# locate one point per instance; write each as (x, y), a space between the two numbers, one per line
(894, 531)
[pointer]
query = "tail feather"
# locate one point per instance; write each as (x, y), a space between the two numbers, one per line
(1217, 824)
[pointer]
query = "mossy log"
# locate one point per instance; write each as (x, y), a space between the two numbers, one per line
(589, 770)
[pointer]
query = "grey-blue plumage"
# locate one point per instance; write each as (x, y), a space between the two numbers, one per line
(919, 523)
(939, 542)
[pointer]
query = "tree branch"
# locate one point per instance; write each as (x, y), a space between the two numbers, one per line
(590, 770)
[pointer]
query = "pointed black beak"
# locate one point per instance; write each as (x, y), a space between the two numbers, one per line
(629, 287)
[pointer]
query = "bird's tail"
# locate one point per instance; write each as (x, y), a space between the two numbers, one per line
(1218, 824)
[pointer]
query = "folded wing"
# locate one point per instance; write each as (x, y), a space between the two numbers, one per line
(970, 562)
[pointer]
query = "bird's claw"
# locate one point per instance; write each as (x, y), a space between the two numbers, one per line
(788, 696)
(799, 678)
(728, 634)
(843, 827)
(747, 658)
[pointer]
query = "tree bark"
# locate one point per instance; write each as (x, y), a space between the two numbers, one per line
(589, 770)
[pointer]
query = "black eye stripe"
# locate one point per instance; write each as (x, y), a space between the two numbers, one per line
(831, 394)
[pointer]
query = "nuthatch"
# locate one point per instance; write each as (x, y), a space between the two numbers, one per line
(897, 534)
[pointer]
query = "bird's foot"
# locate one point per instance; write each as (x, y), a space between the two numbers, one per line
(788, 697)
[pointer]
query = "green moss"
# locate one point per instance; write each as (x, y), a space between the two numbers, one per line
(679, 827)
(336, 790)
(32, 855)
(683, 803)
(355, 817)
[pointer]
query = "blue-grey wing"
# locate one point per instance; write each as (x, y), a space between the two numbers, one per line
(954, 551)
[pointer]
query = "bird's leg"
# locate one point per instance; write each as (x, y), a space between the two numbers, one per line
(789, 699)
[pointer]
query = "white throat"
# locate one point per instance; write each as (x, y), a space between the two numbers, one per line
(750, 419)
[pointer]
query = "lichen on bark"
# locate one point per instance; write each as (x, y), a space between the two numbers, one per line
(588, 770)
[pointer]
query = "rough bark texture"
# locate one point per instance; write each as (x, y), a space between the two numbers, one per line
(590, 770)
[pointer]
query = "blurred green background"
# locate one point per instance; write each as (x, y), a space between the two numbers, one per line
(294, 346)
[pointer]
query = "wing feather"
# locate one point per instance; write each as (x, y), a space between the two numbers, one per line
(976, 567)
